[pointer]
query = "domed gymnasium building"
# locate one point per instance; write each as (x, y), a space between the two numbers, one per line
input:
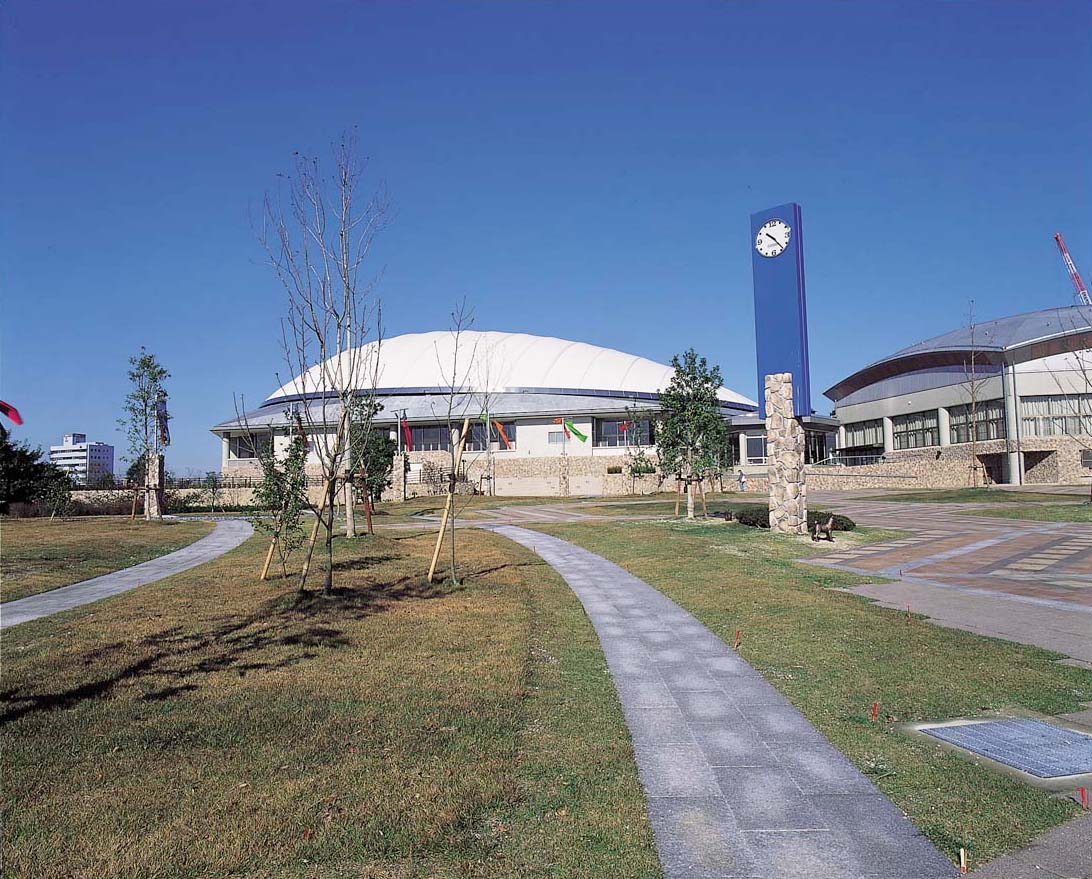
(562, 416)
(911, 412)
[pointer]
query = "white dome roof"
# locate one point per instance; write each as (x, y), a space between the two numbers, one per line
(490, 362)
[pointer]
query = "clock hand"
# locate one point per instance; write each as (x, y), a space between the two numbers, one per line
(774, 240)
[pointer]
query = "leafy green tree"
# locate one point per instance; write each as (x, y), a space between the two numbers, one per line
(57, 493)
(134, 474)
(692, 432)
(281, 496)
(147, 379)
(24, 476)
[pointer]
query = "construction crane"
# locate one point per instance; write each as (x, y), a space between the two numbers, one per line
(1074, 275)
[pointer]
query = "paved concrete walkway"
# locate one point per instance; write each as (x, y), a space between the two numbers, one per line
(1020, 580)
(739, 784)
(1064, 853)
(227, 535)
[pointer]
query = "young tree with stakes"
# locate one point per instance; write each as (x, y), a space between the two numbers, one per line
(147, 378)
(282, 495)
(456, 416)
(691, 430)
(318, 240)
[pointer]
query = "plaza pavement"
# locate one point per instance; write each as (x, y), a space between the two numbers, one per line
(739, 784)
(227, 535)
(1024, 581)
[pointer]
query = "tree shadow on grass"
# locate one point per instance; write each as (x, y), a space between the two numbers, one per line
(281, 633)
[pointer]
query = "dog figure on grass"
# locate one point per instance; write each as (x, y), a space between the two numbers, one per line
(824, 531)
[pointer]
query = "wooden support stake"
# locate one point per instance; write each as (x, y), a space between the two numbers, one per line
(449, 503)
(268, 558)
(135, 495)
(701, 491)
(962, 861)
(314, 534)
(739, 638)
(875, 711)
(678, 495)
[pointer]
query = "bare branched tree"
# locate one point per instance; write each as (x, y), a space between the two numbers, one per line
(456, 365)
(1071, 372)
(973, 380)
(318, 236)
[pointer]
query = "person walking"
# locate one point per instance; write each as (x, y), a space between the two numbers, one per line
(742, 479)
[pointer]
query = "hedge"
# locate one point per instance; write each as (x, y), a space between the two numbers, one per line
(758, 516)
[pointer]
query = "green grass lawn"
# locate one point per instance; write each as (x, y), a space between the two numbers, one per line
(212, 725)
(39, 554)
(971, 496)
(1080, 512)
(834, 654)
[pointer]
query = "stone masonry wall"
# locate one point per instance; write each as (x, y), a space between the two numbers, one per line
(785, 458)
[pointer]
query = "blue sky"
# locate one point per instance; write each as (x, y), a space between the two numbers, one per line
(584, 170)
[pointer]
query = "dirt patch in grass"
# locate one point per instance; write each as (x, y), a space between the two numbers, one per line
(39, 555)
(211, 725)
(834, 654)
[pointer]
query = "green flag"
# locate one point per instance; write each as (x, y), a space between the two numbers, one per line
(580, 436)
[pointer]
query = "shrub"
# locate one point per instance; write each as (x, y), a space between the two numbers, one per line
(758, 516)
(614, 469)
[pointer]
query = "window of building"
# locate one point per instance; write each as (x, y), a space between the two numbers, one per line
(624, 432)
(556, 436)
(1056, 415)
(915, 430)
(864, 434)
(989, 421)
(1086, 458)
(756, 450)
(437, 437)
(815, 446)
(244, 447)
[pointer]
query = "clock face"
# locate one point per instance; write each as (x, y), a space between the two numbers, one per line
(773, 238)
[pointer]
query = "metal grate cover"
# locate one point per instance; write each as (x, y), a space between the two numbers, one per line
(1031, 746)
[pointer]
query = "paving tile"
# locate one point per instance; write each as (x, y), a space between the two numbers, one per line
(890, 835)
(749, 690)
(681, 678)
(705, 705)
(766, 798)
(643, 692)
(780, 723)
(658, 725)
(819, 767)
(698, 838)
(732, 743)
(674, 770)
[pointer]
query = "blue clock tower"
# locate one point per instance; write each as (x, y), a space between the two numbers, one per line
(781, 314)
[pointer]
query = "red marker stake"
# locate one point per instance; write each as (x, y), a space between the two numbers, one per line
(875, 710)
(739, 637)
(1083, 791)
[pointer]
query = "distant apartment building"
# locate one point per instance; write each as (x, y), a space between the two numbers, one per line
(85, 462)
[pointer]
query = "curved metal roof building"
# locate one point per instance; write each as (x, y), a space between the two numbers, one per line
(521, 374)
(1017, 339)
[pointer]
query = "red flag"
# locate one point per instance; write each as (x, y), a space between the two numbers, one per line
(407, 434)
(10, 411)
(564, 427)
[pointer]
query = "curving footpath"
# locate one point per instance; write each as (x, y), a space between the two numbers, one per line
(227, 535)
(739, 784)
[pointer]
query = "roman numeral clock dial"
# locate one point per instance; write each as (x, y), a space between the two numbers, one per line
(773, 238)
